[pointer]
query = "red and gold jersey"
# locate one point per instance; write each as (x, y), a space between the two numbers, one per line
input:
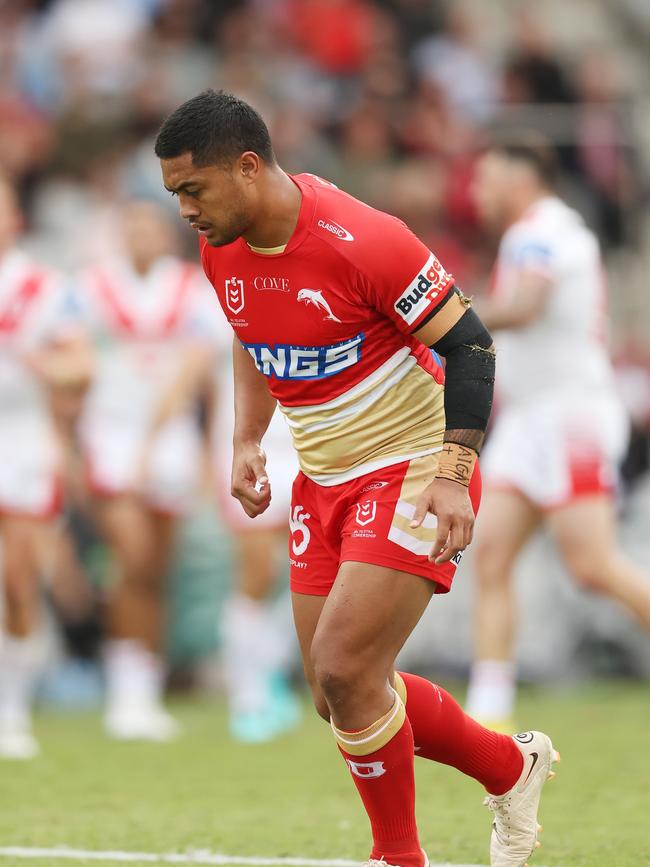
(328, 320)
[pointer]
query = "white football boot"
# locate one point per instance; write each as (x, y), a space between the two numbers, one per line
(17, 742)
(515, 827)
(141, 724)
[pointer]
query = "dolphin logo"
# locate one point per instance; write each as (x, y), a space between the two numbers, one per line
(315, 297)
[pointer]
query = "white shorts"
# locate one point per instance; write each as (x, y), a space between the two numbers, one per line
(113, 453)
(282, 468)
(30, 471)
(558, 448)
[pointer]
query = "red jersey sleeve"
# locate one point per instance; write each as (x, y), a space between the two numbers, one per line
(403, 278)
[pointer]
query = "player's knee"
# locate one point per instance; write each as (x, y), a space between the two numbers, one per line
(493, 563)
(336, 671)
(587, 571)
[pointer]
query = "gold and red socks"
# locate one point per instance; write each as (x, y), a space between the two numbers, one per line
(380, 759)
(444, 733)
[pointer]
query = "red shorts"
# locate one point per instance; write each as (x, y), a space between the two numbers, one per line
(366, 520)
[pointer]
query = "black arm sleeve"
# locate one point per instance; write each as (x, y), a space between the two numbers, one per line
(469, 373)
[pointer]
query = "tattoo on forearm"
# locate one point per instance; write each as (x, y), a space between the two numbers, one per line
(472, 439)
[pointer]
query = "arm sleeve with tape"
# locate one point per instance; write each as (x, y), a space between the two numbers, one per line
(469, 374)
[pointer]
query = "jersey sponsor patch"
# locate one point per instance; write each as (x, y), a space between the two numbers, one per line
(288, 361)
(425, 287)
(335, 229)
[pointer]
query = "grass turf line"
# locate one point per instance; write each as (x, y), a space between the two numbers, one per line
(295, 797)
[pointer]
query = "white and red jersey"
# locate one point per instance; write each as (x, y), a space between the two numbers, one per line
(565, 347)
(35, 309)
(140, 325)
(329, 321)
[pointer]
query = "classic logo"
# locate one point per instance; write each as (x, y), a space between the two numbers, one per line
(316, 297)
(366, 512)
(366, 770)
(271, 284)
(424, 288)
(287, 361)
(335, 229)
(457, 558)
(297, 518)
(373, 486)
(235, 294)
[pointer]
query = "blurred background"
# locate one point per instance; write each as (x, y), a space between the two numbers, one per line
(391, 100)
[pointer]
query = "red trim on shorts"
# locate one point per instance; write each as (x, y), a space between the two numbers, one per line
(443, 583)
(101, 492)
(47, 513)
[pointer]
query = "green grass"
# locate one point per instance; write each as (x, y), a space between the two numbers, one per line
(295, 797)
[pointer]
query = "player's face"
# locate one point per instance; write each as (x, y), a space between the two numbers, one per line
(490, 189)
(10, 218)
(216, 201)
(147, 232)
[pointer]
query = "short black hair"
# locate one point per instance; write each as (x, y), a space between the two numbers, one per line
(215, 127)
(533, 149)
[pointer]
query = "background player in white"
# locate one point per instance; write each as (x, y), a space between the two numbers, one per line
(142, 445)
(561, 429)
(39, 347)
(257, 638)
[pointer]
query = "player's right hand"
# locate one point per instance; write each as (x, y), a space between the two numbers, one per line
(250, 483)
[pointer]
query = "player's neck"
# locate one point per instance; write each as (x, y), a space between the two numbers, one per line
(142, 266)
(526, 200)
(277, 216)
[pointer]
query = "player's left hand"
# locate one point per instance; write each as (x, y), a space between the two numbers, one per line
(450, 503)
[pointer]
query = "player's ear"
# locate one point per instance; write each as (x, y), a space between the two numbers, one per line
(249, 165)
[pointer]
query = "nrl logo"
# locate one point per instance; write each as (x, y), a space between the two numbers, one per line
(235, 294)
(315, 297)
(366, 512)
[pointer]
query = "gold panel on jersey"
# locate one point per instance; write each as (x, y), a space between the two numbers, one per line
(408, 418)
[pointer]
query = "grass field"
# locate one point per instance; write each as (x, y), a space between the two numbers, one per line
(295, 798)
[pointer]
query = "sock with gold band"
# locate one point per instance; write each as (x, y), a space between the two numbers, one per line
(380, 759)
(444, 733)
(456, 463)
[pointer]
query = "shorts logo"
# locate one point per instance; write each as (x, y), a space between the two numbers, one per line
(287, 361)
(235, 294)
(335, 229)
(316, 297)
(422, 290)
(373, 486)
(366, 770)
(297, 519)
(366, 512)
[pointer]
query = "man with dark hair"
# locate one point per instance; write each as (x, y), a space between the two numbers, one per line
(561, 429)
(334, 307)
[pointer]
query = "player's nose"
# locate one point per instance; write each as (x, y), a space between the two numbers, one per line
(188, 210)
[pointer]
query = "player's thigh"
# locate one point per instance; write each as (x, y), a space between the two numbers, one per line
(368, 615)
(20, 539)
(257, 561)
(125, 524)
(585, 534)
(506, 522)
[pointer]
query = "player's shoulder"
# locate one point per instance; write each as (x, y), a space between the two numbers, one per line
(358, 232)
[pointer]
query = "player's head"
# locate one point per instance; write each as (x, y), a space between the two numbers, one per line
(214, 150)
(11, 220)
(148, 233)
(511, 174)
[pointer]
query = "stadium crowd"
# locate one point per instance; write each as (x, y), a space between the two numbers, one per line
(390, 99)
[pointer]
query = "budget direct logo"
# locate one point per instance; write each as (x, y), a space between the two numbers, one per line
(422, 290)
(335, 229)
